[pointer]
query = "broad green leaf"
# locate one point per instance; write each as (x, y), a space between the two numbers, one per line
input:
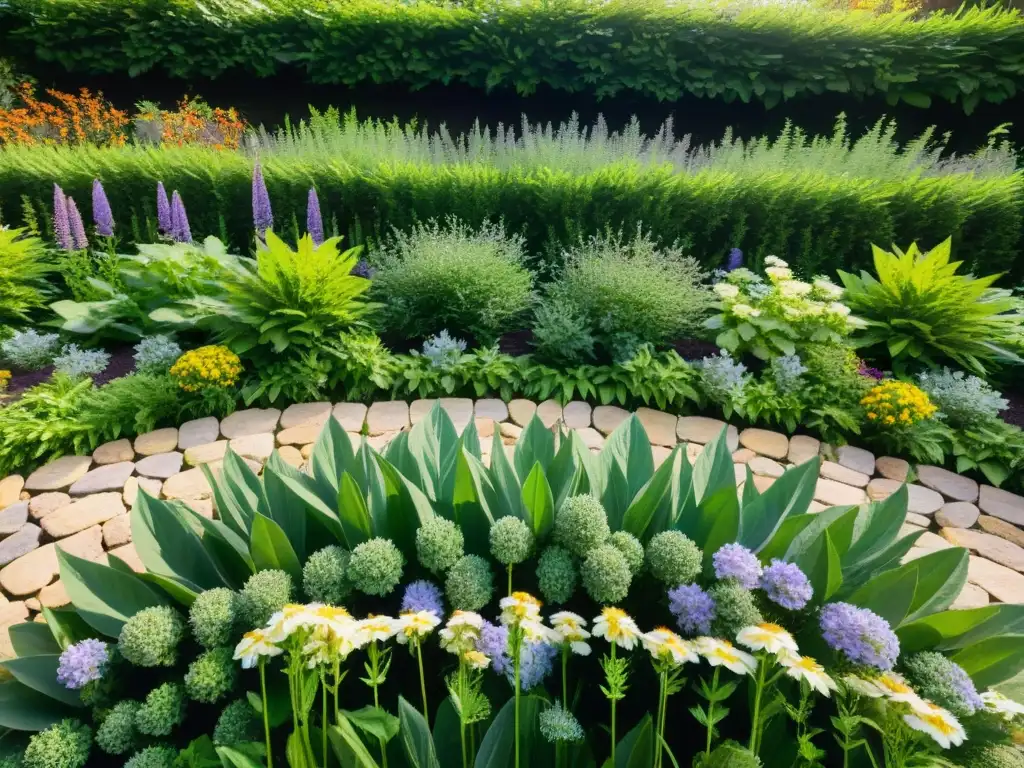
(877, 526)
(497, 750)
(68, 627)
(32, 639)
(270, 548)
(889, 594)
(645, 504)
(783, 539)
(278, 480)
(508, 499)
(407, 509)
(472, 501)
(347, 745)
(679, 502)
(821, 564)
(538, 503)
(470, 438)
(104, 597)
(40, 674)
(955, 629)
(293, 490)
(788, 496)
(332, 456)
(417, 743)
(353, 513)
(941, 578)
(713, 470)
(636, 749)
(376, 722)
(25, 709)
(233, 758)
(535, 444)
(993, 660)
(177, 591)
(629, 449)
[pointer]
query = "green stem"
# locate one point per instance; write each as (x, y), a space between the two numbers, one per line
(565, 677)
(755, 722)
(662, 704)
(462, 721)
(510, 579)
(337, 686)
(517, 648)
(375, 667)
(614, 700)
(423, 683)
(711, 710)
(323, 714)
(266, 715)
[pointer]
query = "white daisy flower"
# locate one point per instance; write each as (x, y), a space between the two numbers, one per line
(767, 637)
(615, 626)
(569, 628)
(519, 607)
(291, 617)
(252, 646)
(779, 273)
(376, 629)
(461, 632)
(937, 723)
(775, 261)
(416, 624)
(1002, 705)
(666, 646)
(805, 668)
(722, 653)
(894, 687)
(476, 659)
(862, 687)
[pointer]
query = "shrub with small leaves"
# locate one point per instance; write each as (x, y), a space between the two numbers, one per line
(375, 567)
(162, 711)
(470, 583)
(631, 549)
(965, 401)
(116, 734)
(156, 354)
(63, 745)
(264, 593)
(556, 574)
(153, 757)
(511, 540)
(439, 544)
(150, 638)
(324, 576)
(212, 616)
(212, 675)
(237, 723)
(581, 524)
(78, 363)
(673, 558)
(30, 350)
(605, 574)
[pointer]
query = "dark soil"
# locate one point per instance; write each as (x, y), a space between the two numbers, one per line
(121, 363)
(1015, 413)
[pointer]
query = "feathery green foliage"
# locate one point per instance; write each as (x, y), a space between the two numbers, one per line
(24, 265)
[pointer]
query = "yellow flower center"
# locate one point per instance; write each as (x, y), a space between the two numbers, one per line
(772, 628)
(893, 685)
(940, 724)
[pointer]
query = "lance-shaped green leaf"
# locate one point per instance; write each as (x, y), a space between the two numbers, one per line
(407, 507)
(237, 492)
(890, 595)
(40, 674)
(353, 513)
(821, 563)
(572, 470)
(332, 456)
(348, 747)
(292, 491)
(536, 444)
(992, 660)
(270, 548)
(469, 440)
(177, 591)
(645, 504)
(713, 470)
(940, 579)
(417, 743)
(877, 527)
(538, 503)
(954, 629)
(508, 497)
(473, 500)
(25, 709)
(789, 495)
(32, 638)
(497, 750)
(627, 460)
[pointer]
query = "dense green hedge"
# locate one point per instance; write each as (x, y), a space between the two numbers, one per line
(656, 48)
(818, 221)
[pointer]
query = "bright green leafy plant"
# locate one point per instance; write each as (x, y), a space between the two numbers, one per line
(24, 265)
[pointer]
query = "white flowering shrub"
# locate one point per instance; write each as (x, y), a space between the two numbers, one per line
(156, 354)
(29, 350)
(442, 350)
(79, 363)
(773, 317)
(964, 400)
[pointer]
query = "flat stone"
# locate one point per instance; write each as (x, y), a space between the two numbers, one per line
(765, 467)
(923, 501)
(802, 449)
(10, 490)
(83, 514)
(856, 459)
(607, 417)
(484, 428)
(771, 444)
(957, 514)
(932, 541)
(303, 414)
(816, 506)
(549, 412)
(130, 557)
(117, 531)
(10, 614)
(914, 553)
(58, 474)
(742, 456)
(593, 439)
(251, 421)
(387, 416)
(660, 426)
(351, 416)
(1002, 529)
(54, 595)
(301, 435)
(739, 473)
(190, 484)
(576, 415)
(919, 520)
(893, 469)
(13, 518)
(971, 596)
(837, 494)
(459, 410)
(1002, 504)
(114, 452)
(380, 442)
(290, 455)
(19, 543)
(763, 483)
(1004, 584)
(693, 450)
(418, 409)
(949, 484)
(491, 408)
(509, 432)
(206, 453)
(660, 453)
(701, 429)
(842, 474)
(111, 477)
(33, 571)
(988, 546)
(257, 447)
(307, 450)
(157, 441)
(45, 503)
(198, 432)
(160, 465)
(150, 485)
(521, 411)
(203, 506)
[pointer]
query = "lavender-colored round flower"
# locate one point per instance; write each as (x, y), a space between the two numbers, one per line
(535, 660)
(861, 635)
(423, 595)
(734, 561)
(493, 643)
(314, 221)
(163, 211)
(82, 663)
(693, 608)
(61, 221)
(102, 216)
(786, 585)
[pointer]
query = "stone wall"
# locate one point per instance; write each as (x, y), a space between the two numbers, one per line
(80, 503)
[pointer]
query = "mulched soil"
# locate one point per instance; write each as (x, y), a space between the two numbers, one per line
(1015, 413)
(121, 363)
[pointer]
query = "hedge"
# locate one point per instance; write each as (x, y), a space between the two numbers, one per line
(648, 46)
(818, 221)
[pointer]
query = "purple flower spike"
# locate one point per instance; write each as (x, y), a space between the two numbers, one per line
(314, 222)
(61, 222)
(180, 231)
(82, 663)
(102, 216)
(423, 596)
(262, 217)
(735, 260)
(164, 222)
(78, 239)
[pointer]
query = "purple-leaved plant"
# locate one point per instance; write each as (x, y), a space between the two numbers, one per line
(102, 216)
(78, 239)
(164, 221)
(314, 221)
(61, 222)
(180, 231)
(262, 216)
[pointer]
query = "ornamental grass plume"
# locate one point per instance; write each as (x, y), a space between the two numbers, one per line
(262, 217)
(78, 239)
(180, 230)
(314, 221)
(102, 216)
(164, 220)
(61, 221)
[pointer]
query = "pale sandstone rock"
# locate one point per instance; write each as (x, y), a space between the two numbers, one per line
(10, 490)
(305, 414)
(114, 452)
(923, 501)
(693, 450)
(660, 453)
(150, 485)
(111, 477)
(418, 410)
(54, 595)
(190, 484)
(1004, 584)
(607, 417)
(10, 614)
(83, 514)
(20, 543)
(949, 484)
(957, 514)
(351, 416)
(765, 467)
(380, 442)
(803, 449)
(459, 410)
(844, 475)
(856, 459)
(157, 441)
(256, 447)
(491, 408)
(198, 432)
(129, 556)
(117, 531)
(521, 411)
(1002, 529)
(577, 414)
(1002, 504)
(13, 518)
(301, 435)
(988, 546)
(931, 542)
(387, 416)
(30, 573)
(160, 465)
(816, 506)
(742, 456)
(290, 455)
(893, 469)
(763, 483)
(774, 445)
(484, 428)
(58, 474)
(972, 596)
(919, 520)
(509, 432)
(660, 426)
(593, 439)
(203, 506)
(307, 450)
(837, 494)
(251, 421)
(549, 412)
(701, 429)
(206, 453)
(45, 503)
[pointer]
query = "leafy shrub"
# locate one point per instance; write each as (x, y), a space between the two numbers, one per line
(561, 333)
(30, 350)
(630, 292)
(964, 400)
(920, 311)
(469, 281)
(77, 363)
(443, 351)
(24, 265)
(156, 354)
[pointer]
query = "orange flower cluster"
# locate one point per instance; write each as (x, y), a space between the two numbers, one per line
(81, 119)
(195, 122)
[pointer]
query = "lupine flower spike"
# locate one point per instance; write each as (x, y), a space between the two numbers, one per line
(180, 230)
(262, 217)
(61, 222)
(164, 222)
(78, 239)
(102, 216)
(314, 221)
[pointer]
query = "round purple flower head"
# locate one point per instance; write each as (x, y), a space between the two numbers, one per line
(962, 684)
(734, 561)
(493, 643)
(535, 659)
(786, 585)
(693, 608)
(423, 596)
(861, 635)
(82, 663)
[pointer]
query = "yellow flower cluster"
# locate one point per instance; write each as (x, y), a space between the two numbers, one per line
(5, 379)
(899, 403)
(205, 367)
